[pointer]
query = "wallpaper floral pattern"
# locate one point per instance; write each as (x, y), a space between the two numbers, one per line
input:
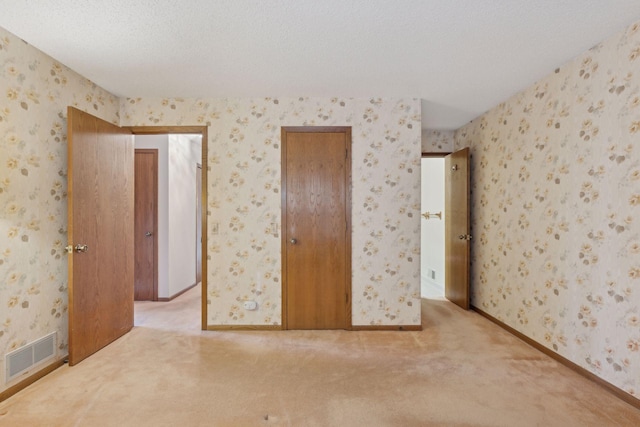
(244, 199)
(35, 92)
(437, 141)
(244, 176)
(556, 205)
(556, 190)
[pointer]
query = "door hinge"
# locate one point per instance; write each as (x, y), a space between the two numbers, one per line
(346, 153)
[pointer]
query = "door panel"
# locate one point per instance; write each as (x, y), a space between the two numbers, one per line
(316, 273)
(100, 215)
(145, 226)
(457, 227)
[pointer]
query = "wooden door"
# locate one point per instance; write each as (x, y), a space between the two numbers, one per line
(457, 227)
(100, 228)
(316, 228)
(146, 225)
(198, 223)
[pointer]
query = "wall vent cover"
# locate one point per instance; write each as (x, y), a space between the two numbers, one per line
(26, 357)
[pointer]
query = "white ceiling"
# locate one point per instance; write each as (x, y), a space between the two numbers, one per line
(460, 57)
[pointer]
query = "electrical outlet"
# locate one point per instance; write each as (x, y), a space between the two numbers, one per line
(250, 305)
(381, 304)
(214, 228)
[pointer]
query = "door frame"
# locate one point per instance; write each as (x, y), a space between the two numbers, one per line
(201, 130)
(431, 155)
(153, 151)
(199, 210)
(443, 155)
(348, 203)
(458, 291)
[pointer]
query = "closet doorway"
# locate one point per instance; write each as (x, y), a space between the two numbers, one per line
(456, 216)
(432, 265)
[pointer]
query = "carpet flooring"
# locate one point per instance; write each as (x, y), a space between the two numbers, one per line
(461, 370)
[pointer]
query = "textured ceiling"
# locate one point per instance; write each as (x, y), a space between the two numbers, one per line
(460, 57)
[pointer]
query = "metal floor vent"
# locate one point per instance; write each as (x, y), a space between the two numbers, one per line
(23, 359)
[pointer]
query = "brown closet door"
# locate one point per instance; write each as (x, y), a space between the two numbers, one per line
(316, 243)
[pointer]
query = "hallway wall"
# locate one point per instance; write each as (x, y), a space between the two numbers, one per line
(185, 153)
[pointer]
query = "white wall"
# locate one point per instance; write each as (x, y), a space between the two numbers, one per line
(432, 230)
(184, 155)
(160, 142)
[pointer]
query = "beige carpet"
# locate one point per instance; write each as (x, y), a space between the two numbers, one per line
(461, 370)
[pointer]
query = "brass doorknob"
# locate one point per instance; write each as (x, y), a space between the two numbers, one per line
(464, 237)
(148, 233)
(81, 248)
(293, 241)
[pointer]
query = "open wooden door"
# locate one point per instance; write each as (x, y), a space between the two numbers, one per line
(457, 227)
(100, 233)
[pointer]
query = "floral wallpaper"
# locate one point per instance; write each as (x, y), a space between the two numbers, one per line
(244, 176)
(437, 141)
(556, 210)
(244, 199)
(35, 92)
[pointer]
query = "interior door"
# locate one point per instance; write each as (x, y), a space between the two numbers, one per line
(100, 233)
(457, 227)
(316, 237)
(145, 225)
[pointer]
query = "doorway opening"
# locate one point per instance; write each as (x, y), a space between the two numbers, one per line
(456, 216)
(432, 229)
(177, 235)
